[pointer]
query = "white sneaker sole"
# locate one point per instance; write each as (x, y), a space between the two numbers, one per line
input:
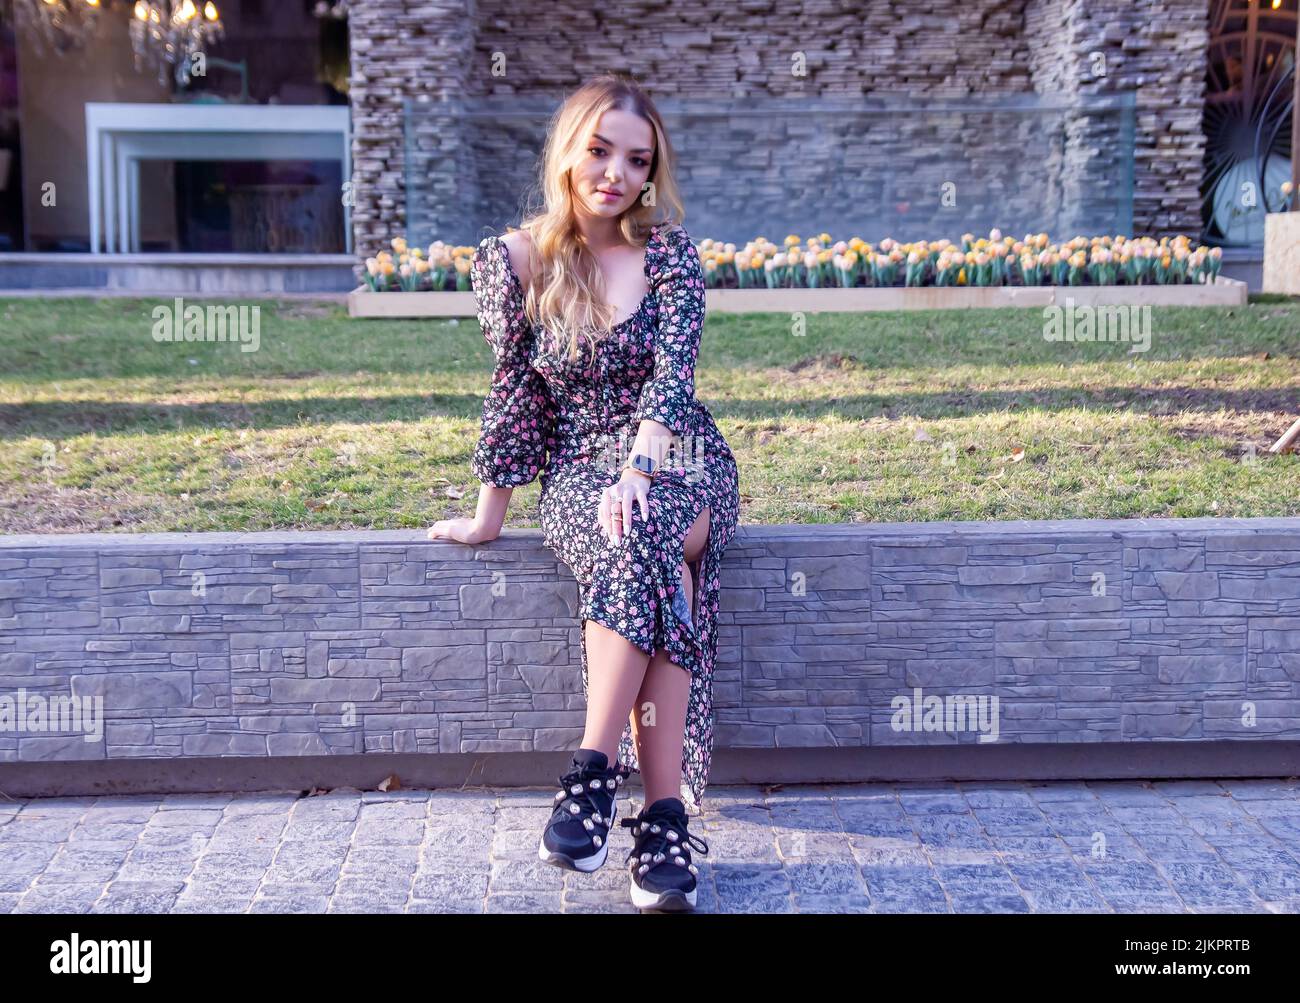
(585, 864)
(671, 901)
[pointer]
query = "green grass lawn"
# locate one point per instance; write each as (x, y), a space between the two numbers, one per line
(880, 417)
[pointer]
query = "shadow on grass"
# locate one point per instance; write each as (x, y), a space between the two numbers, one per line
(80, 417)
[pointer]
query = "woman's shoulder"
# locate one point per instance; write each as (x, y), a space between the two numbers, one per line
(518, 246)
(671, 235)
(672, 251)
(502, 262)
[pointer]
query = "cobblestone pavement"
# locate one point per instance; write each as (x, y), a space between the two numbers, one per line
(1177, 846)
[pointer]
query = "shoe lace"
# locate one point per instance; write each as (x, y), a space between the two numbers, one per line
(655, 843)
(583, 799)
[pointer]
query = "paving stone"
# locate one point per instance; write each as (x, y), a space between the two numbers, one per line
(776, 858)
(1012, 822)
(450, 844)
(301, 903)
(458, 885)
(445, 906)
(827, 879)
(831, 904)
(129, 896)
(760, 886)
(799, 846)
(1031, 848)
(529, 874)
(382, 832)
(200, 904)
(528, 902)
(60, 897)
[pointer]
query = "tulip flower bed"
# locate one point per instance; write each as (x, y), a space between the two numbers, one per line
(994, 260)
(820, 274)
(819, 263)
(444, 268)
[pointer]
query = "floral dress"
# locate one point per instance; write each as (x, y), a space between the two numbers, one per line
(573, 424)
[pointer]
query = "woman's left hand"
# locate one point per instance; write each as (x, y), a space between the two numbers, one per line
(620, 499)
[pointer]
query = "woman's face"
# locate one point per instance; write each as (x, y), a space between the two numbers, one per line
(608, 179)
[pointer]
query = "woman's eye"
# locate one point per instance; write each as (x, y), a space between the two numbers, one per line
(639, 161)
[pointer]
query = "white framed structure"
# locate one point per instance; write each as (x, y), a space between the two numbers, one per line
(119, 135)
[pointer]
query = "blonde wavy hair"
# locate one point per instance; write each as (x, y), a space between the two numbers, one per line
(566, 291)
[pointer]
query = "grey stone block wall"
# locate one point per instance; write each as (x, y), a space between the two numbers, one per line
(442, 52)
(285, 644)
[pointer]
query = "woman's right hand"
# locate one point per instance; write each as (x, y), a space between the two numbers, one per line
(461, 530)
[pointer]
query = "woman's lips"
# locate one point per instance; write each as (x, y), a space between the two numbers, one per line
(610, 196)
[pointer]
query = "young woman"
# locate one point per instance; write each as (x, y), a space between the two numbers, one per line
(594, 309)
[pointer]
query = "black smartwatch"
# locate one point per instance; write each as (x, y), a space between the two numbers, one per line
(642, 463)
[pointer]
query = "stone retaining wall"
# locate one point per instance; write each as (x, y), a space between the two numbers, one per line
(292, 644)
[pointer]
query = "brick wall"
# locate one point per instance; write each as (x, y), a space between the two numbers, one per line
(445, 52)
(286, 644)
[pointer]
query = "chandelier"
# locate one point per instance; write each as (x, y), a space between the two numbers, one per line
(59, 25)
(167, 33)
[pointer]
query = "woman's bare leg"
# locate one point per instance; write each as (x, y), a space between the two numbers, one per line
(616, 669)
(659, 717)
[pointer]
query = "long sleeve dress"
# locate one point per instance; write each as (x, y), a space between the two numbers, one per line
(573, 424)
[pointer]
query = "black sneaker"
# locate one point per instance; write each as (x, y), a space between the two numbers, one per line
(663, 877)
(577, 835)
